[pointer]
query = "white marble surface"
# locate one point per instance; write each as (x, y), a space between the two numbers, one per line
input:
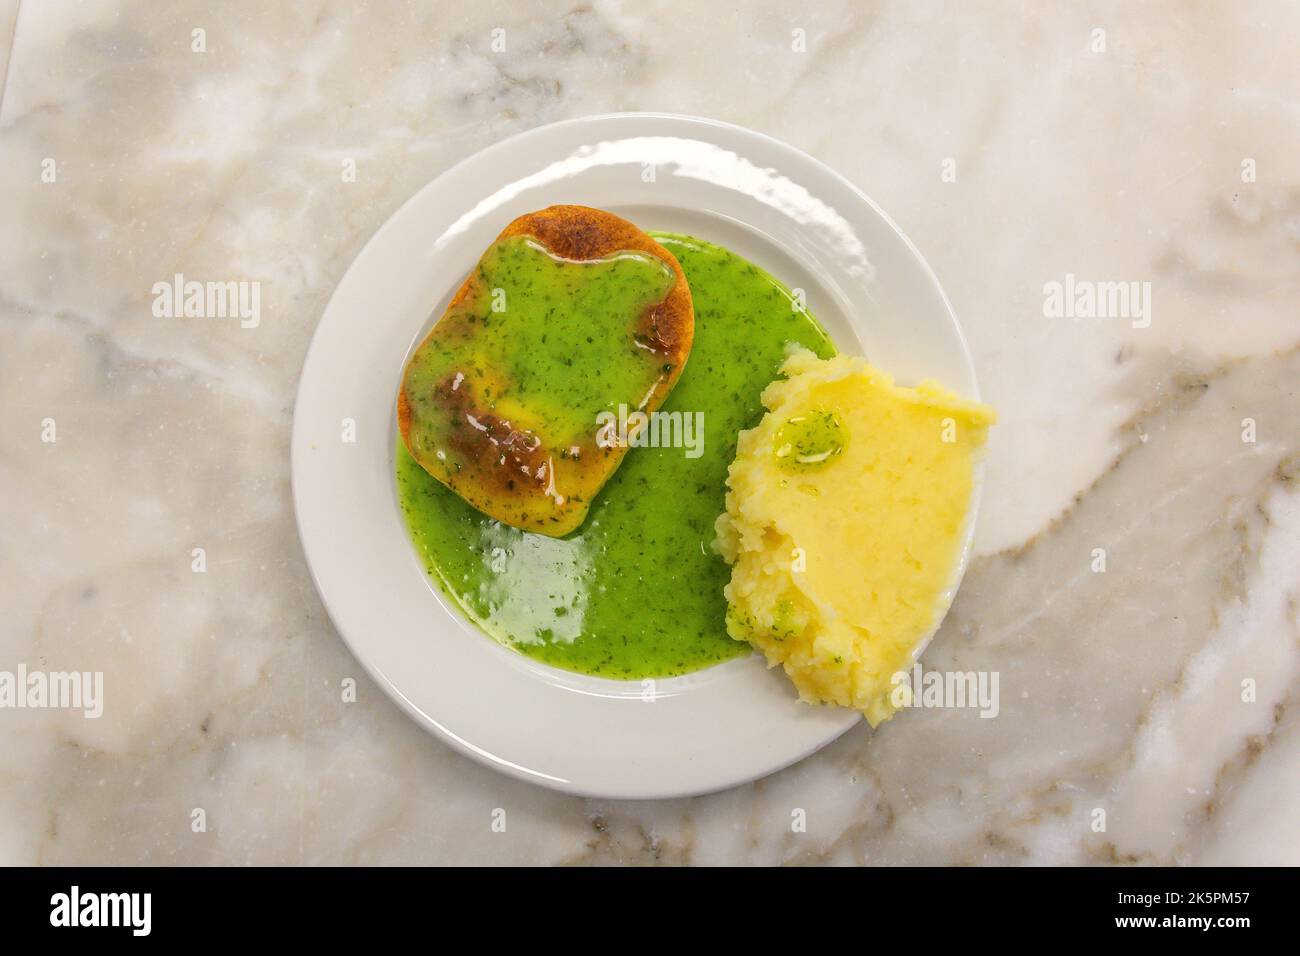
(1120, 691)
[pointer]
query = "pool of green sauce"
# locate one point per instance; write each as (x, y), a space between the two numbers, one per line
(636, 591)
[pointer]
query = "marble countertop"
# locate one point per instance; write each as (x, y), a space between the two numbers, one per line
(1018, 146)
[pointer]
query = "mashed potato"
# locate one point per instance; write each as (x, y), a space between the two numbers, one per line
(846, 512)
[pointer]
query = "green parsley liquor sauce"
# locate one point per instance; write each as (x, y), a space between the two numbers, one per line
(636, 591)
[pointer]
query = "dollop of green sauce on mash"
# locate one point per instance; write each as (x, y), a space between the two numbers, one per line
(810, 442)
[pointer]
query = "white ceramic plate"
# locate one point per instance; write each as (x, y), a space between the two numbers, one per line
(763, 199)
